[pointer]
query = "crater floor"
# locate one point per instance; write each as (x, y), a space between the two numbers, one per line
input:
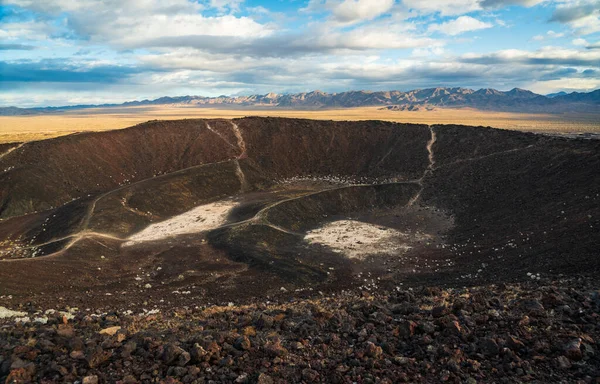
(218, 211)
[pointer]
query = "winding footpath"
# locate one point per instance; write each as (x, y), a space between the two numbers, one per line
(243, 154)
(11, 150)
(429, 169)
(259, 218)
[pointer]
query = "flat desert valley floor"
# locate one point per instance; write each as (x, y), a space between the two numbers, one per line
(38, 127)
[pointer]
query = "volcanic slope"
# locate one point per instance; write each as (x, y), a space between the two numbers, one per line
(218, 210)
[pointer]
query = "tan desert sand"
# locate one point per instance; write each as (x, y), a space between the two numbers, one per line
(38, 127)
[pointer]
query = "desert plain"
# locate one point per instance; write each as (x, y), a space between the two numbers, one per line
(45, 126)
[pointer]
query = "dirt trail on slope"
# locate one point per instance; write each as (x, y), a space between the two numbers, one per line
(430, 166)
(9, 151)
(240, 140)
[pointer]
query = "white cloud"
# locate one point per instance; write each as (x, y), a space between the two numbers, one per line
(382, 36)
(317, 38)
(588, 24)
(346, 44)
(101, 7)
(358, 10)
(445, 7)
(128, 32)
(29, 30)
(133, 24)
(321, 40)
(193, 59)
(460, 7)
(345, 12)
(226, 5)
(460, 25)
(544, 56)
(186, 71)
(427, 52)
(504, 3)
(549, 35)
(581, 15)
(555, 35)
(565, 84)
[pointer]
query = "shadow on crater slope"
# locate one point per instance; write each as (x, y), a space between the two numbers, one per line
(227, 210)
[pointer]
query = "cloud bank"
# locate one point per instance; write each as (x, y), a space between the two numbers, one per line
(65, 51)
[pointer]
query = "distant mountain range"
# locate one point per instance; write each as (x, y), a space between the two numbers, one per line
(553, 95)
(515, 100)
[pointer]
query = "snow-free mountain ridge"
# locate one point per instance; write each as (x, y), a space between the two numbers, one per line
(515, 100)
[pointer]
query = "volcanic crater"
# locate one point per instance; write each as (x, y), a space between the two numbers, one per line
(173, 212)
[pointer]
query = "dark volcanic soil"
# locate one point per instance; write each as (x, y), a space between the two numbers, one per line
(201, 213)
(458, 205)
(539, 332)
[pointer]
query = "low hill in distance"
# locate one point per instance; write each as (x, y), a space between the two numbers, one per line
(515, 100)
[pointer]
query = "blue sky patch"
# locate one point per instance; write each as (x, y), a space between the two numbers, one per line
(58, 52)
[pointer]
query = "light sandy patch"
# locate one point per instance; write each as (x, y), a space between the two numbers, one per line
(6, 313)
(357, 239)
(199, 219)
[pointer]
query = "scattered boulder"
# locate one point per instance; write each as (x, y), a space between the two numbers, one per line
(310, 375)
(532, 306)
(515, 344)
(572, 349)
(90, 380)
(373, 350)
(440, 311)
(65, 330)
(350, 338)
(427, 327)
(406, 329)
(275, 349)
(242, 343)
(110, 331)
(264, 379)
(199, 354)
(183, 359)
(171, 352)
(97, 356)
(563, 362)
(489, 347)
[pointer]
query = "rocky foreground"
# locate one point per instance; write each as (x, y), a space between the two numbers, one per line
(539, 331)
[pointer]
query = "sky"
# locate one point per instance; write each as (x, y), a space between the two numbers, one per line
(65, 52)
